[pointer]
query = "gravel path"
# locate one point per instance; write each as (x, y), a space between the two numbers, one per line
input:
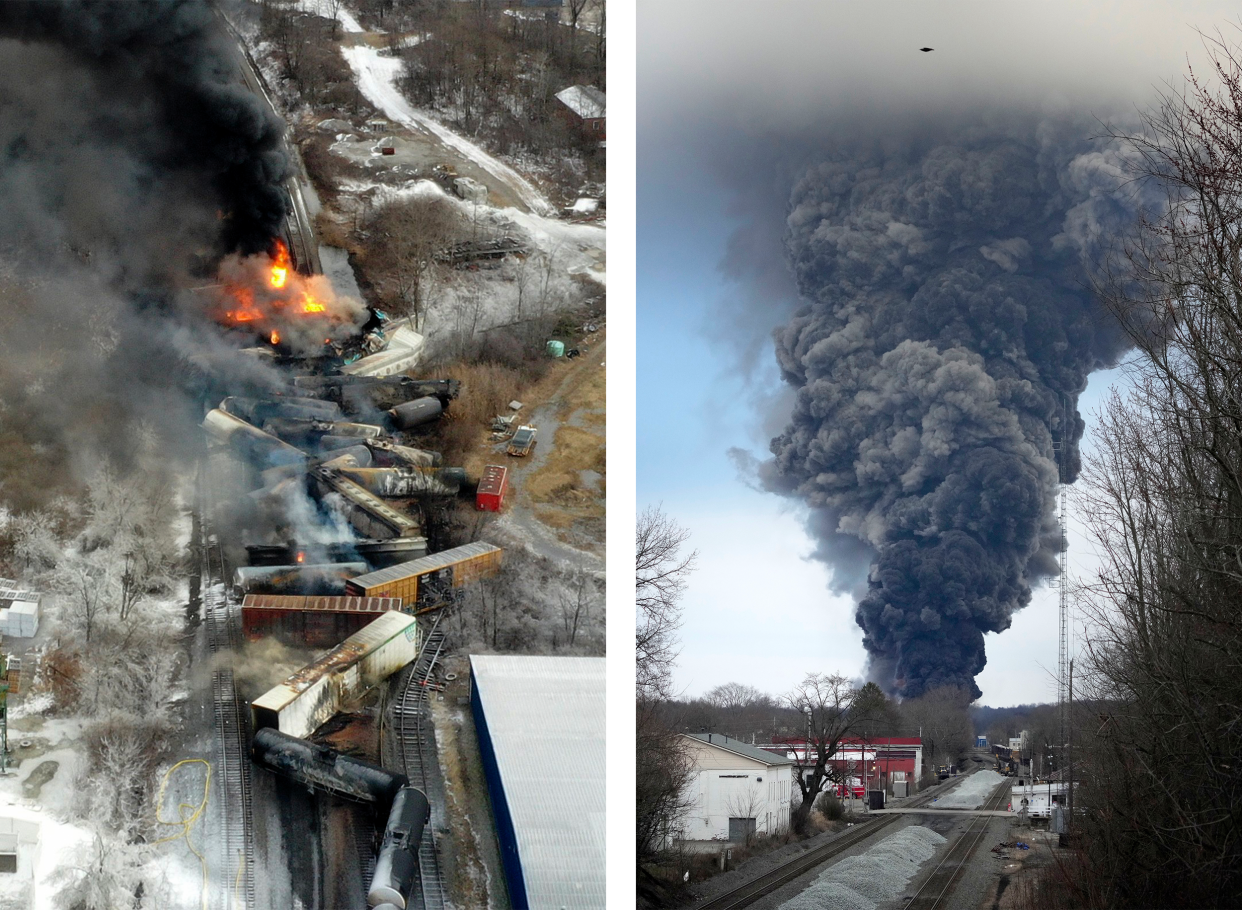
(760, 865)
(864, 882)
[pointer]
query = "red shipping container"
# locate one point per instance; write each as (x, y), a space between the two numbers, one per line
(492, 487)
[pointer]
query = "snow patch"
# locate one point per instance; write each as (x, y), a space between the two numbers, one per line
(376, 76)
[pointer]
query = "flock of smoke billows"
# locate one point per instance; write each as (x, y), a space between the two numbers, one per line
(131, 160)
(946, 328)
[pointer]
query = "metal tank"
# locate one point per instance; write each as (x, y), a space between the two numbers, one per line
(322, 768)
(397, 863)
(415, 413)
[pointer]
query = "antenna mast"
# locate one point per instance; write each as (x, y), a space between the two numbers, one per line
(1063, 559)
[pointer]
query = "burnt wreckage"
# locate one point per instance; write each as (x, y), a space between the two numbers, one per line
(333, 454)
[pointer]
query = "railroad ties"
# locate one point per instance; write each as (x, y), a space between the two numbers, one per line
(938, 886)
(416, 750)
(233, 764)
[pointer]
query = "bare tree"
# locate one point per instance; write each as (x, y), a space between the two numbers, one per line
(575, 9)
(942, 717)
(733, 695)
(825, 701)
(411, 233)
(576, 605)
(661, 572)
(745, 804)
(1163, 497)
(663, 768)
(332, 9)
(86, 586)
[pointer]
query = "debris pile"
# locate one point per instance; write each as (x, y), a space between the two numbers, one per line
(336, 445)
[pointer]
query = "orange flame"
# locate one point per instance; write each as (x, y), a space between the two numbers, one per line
(301, 556)
(275, 337)
(311, 305)
(281, 265)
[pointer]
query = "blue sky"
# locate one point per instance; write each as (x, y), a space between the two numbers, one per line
(758, 609)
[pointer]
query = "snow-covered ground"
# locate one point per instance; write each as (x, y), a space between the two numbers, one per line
(324, 8)
(562, 251)
(376, 75)
(970, 793)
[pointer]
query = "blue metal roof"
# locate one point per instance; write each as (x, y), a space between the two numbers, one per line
(540, 722)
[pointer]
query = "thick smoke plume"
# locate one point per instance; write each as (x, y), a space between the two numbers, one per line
(132, 158)
(170, 61)
(946, 334)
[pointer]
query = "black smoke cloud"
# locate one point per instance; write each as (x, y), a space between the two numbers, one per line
(946, 332)
(172, 59)
(131, 160)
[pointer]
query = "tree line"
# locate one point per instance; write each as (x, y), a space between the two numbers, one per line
(1159, 745)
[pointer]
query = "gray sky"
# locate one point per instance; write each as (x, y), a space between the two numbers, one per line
(733, 101)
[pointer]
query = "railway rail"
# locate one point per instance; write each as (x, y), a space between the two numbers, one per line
(233, 765)
(747, 893)
(940, 883)
(299, 230)
(415, 751)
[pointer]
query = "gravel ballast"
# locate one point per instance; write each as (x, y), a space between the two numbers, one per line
(879, 875)
(970, 793)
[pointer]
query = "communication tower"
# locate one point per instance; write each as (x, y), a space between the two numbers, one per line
(1060, 446)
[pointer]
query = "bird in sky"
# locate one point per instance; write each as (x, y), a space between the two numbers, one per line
(926, 49)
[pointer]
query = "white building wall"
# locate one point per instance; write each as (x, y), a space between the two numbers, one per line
(751, 792)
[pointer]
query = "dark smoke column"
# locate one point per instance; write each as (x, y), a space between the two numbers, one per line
(946, 328)
(174, 57)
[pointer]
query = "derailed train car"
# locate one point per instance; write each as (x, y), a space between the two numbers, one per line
(324, 769)
(324, 578)
(264, 449)
(397, 863)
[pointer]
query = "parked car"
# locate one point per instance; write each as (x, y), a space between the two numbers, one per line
(522, 442)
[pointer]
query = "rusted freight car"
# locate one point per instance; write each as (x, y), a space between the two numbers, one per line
(319, 622)
(422, 582)
(312, 695)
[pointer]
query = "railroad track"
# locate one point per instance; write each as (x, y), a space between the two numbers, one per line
(940, 883)
(751, 891)
(231, 722)
(414, 750)
(303, 246)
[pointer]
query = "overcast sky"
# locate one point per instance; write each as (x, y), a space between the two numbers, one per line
(734, 99)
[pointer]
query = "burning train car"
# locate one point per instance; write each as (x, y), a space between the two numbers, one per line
(321, 578)
(265, 298)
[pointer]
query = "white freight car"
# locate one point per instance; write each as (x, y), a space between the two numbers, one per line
(403, 351)
(311, 696)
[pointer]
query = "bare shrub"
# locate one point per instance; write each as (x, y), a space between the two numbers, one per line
(403, 239)
(830, 807)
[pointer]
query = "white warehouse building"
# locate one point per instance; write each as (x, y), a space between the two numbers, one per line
(736, 790)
